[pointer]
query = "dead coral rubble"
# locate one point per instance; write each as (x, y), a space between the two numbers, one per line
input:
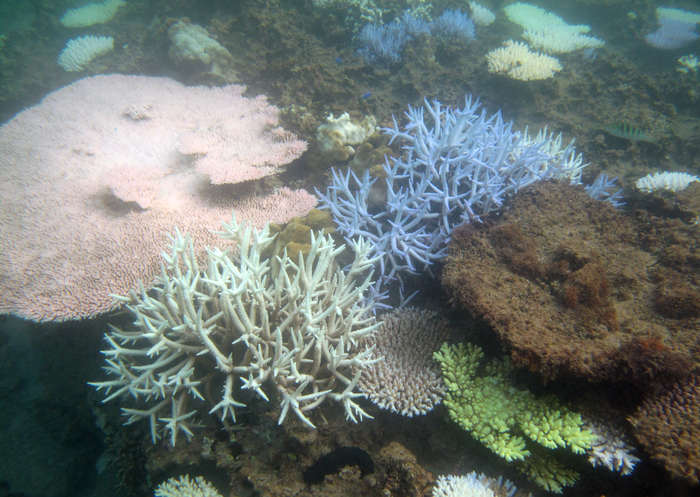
(576, 287)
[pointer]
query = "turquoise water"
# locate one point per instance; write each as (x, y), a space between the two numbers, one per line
(57, 438)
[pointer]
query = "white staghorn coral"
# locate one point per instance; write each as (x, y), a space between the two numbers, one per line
(293, 325)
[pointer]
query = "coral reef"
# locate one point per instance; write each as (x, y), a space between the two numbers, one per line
(574, 287)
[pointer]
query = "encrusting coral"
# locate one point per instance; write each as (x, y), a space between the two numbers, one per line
(290, 324)
(489, 406)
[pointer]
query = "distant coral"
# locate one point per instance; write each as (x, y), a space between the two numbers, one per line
(549, 32)
(677, 28)
(668, 426)
(192, 43)
(92, 13)
(674, 182)
(515, 60)
(481, 15)
(453, 24)
(384, 44)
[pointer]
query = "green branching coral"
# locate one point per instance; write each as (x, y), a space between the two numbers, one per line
(489, 406)
(548, 473)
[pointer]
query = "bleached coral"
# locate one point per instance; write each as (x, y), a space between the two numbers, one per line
(549, 32)
(481, 15)
(92, 13)
(663, 13)
(517, 61)
(532, 17)
(184, 487)
(291, 325)
(80, 51)
(688, 64)
(610, 450)
(408, 380)
(193, 43)
(674, 182)
(469, 485)
(560, 39)
(336, 136)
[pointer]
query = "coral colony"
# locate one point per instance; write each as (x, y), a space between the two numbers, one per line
(247, 317)
(383, 44)
(676, 28)
(460, 165)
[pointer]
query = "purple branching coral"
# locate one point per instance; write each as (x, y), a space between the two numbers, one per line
(459, 165)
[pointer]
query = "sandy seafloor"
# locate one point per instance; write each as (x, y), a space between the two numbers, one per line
(56, 439)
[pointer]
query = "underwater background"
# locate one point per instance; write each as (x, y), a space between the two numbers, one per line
(573, 292)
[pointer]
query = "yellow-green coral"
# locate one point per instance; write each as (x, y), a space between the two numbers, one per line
(489, 406)
(548, 473)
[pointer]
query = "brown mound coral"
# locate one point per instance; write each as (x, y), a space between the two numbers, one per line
(668, 425)
(574, 286)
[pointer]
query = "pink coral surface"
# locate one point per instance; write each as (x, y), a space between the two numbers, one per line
(95, 178)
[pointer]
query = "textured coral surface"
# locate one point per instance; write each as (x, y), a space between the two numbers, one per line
(668, 425)
(573, 286)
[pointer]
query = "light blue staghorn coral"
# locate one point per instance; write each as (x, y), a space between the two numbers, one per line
(459, 165)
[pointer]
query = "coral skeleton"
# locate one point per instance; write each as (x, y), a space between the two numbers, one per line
(459, 165)
(293, 325)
